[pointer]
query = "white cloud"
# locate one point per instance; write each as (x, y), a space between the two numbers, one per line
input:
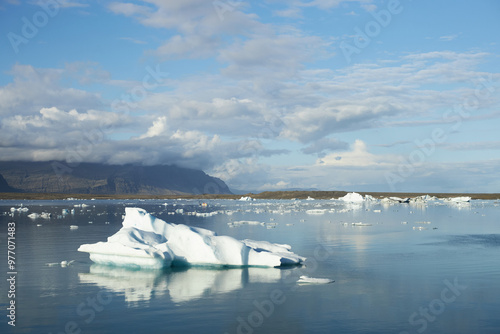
(334, 116)
(129, 9)
(448, 38)
(358, 157)
(295, 13)
(33, 89)
(280, 56)
(190, 46)
(200, 30)
(158, 128)
(473, 146)
(325, 144)
(219, 122)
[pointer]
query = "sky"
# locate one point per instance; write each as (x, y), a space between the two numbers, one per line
(354, 95)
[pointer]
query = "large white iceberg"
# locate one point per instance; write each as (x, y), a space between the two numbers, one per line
(145, 241)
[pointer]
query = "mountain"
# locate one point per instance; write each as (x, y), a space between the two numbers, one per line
(94, 178)
(4, 186)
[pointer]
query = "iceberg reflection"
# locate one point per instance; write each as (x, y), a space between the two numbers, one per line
(181, 284)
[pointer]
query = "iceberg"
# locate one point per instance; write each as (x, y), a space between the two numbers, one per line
(145, 241)
(460, 199)
(370, 198)
(352, 198)
(399, 199)
(423, 199)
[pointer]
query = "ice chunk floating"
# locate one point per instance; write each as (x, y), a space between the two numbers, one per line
(312, 280)
(145, 241)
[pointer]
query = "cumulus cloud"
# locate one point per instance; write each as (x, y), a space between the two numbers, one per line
(158, 128)
(358, 157)
(325, 145)
(262, 88)
(34, 88)
(273, 56)
(199, 25)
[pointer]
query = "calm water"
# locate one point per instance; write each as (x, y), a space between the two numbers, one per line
(390, 277)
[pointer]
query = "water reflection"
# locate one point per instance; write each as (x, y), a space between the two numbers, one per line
(180, 284)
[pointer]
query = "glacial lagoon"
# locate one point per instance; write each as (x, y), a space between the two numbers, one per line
(426, 267)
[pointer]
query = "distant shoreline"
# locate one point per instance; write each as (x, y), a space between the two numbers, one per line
(262, 195)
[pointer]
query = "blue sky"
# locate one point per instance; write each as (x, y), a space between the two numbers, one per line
(358, 95)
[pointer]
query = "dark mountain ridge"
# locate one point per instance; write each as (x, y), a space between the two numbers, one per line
(94, 178)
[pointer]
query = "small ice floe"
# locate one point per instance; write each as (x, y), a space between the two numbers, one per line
(361, 224)
(73, 227)
(244, 222)
(316, 211)
(65, 211)
(44, 215)
(309, 198)
(62, 263)
(377, 211)
(206, 214)
(38, 225)
(67, 263)
(20, 209)
(311, 280)
(423, 222)
(419, 228)
(404, 223)
(246, 198)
